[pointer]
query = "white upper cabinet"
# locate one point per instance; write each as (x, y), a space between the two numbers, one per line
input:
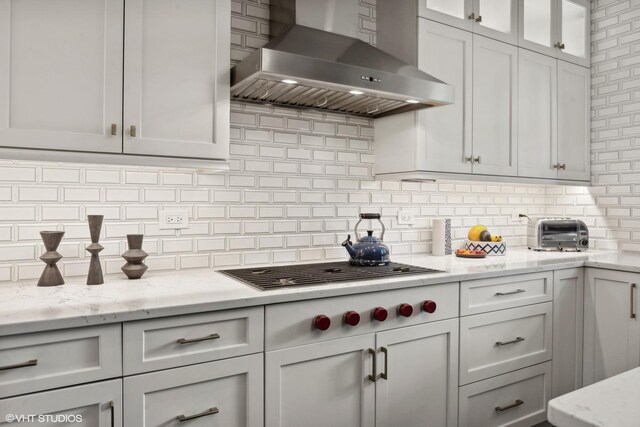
(177, 78)
(559, 28)
(450, 12)
(495, 73)
(61, 74)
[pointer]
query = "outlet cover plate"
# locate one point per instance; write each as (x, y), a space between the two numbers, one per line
(406, 217)
(174, 219)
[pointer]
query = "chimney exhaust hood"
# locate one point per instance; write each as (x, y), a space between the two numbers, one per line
(315, 60)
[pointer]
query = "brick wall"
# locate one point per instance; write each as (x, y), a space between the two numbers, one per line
(298, 180)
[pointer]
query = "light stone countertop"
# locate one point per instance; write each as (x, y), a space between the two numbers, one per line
(24, 307)
(614, 402)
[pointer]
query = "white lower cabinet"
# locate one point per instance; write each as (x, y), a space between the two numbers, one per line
(92, 405)
(611, 324)
(222, 393)
(516, 399)
(405, 376)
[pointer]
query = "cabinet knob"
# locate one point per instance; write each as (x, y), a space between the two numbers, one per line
(479, 18)
(380, 314)
(429, 306)
(472, 16)
(559, 45)
(351, 318)
(477, 159)
(114, 129)
(322, 322)
(468, 159)
(405, 310)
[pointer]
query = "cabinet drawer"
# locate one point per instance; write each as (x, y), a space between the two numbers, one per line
(96, 405)
(503, 341)
(481, 296)
(514, 399)
(44, 360)
(223, 393)
(154, 344)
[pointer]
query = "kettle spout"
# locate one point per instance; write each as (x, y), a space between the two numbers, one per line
(349, 246)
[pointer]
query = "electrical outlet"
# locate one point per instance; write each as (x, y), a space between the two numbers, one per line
(174, 219)
(406, 217)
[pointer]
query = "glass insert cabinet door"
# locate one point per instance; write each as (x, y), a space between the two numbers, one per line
(574, 17)
(537, 24)
(457, 13)
(497, 19)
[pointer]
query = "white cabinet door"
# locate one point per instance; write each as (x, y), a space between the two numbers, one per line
(224, 393)
(497, 19)
(495, 73)
(537, 115)
(444, 133)
(93, 405)
(61, 74)
(451, 12)
(177, 78)
(575, 30)
(324, 384)
(611, 324)
(419, 368)
(574, 104)
(568, 309)
(538, 26)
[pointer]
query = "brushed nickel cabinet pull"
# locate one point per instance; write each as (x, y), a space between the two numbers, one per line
(112, 408)
(114, 129)
(562, 166)
(132, 132)
(468, 159)
(559, 45)
(517, 291)
(518, 402)
(479, 18)
(32, 362)
(478, 160)
(517, 340)
(385, 374)
(374, 374)
(472, 16)
(192, 340)
(210, 411)
(632, 305)
(556, 166)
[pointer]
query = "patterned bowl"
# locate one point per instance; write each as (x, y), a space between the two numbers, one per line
(491, 248)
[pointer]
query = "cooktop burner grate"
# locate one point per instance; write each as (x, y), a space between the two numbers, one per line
(286, 276)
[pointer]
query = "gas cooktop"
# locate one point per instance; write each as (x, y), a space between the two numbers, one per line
(288, 276)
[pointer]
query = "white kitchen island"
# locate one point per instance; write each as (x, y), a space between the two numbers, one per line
(612, 402)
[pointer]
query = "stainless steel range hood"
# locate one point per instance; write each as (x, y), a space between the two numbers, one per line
(314, 60)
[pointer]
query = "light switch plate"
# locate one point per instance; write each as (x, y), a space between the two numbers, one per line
(406, 217)
(174, 219)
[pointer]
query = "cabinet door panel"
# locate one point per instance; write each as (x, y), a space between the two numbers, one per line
(568, 309)
(320, 385)
(611, 335)
(61, 74)
(93, 405)
(537, 26)
(498, 19)
(537, 115)
(177, 78)
(495, 69)
(422, 376)
(450, 12)
(445, 132)
(575, 27)
(574, 103)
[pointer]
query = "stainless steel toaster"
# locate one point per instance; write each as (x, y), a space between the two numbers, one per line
(557, 234)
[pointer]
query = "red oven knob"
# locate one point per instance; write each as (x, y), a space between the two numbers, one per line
(322, 322)
(405, 310)
(429, 306)
(351, 318)
(380, 314)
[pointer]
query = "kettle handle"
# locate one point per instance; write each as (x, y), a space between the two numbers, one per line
(370, 216)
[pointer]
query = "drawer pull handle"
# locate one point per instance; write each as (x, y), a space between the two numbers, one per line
(192, 340)
(112, 409)
(32, 362)
(518, 402)
(517, 291)
(385, 374)
(517, 340)
(374, 374)
(632, 306)
(211, 411)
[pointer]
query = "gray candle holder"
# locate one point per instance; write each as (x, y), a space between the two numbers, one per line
(51, 275)
(95, 276)
(135, 267)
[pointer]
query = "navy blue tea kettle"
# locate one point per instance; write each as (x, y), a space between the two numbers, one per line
(368, 250)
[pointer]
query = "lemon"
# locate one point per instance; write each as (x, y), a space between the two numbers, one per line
(476, 230)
